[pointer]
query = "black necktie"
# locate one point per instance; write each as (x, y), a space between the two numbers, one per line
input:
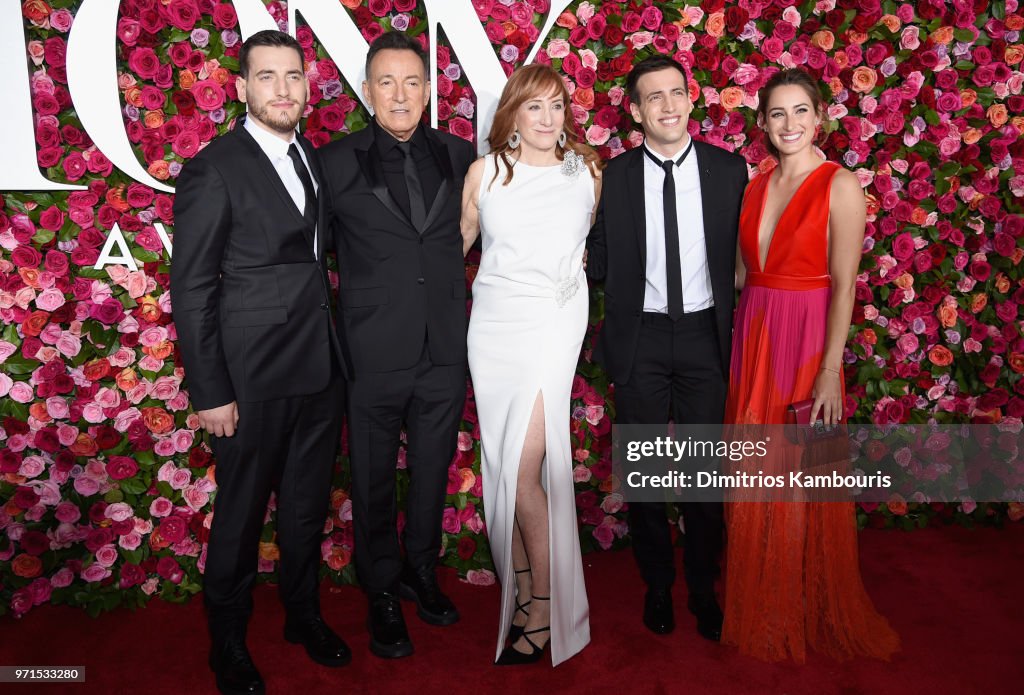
(673, 267)
(417, 209)
(309, 212)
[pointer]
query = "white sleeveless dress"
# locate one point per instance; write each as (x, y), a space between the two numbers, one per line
(530, 310)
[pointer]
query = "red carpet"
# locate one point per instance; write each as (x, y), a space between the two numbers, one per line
(953, 594)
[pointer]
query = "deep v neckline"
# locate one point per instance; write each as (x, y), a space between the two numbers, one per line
(762, 263)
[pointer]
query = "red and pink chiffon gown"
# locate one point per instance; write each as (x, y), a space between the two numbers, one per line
(792, 571)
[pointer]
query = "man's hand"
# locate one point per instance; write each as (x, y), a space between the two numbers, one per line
(220, 421)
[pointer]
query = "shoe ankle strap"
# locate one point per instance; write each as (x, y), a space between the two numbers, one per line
(540, 598)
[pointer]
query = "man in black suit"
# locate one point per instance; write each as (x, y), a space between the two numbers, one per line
(262, 359)
(397, 187)
(665, 246)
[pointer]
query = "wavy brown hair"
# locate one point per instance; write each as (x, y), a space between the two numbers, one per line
(530, 82)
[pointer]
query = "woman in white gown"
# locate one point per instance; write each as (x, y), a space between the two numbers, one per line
(533, 199)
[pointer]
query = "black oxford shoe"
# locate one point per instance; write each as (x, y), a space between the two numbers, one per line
(320, 641)
(709, 615)
(432, 606)
(389, 638)
(658, 615)
(233, 667)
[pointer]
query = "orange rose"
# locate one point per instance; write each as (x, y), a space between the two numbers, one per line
(566, 19)
(186, 78)
(269, 551)
(715, 25)
(897, 505)
(918, 216)
(856, 37)
(608, 484)
(954, 184)
(30, 276)
(997, 115)
(978, 302)
(942, 35)
(1014, 22)
(338, 498)
(940, 356)
(1018, 256)
(870, 337)
(872, 204)
(157, 420)
(38, 411)
(160, 169)
(351, 4)
(584, 97)
(1013, 54)
(905, 281)
(971, 136)
(510, 27)
(133, 96)
(220, 76)
(731, 98)
(161, 350)
(27, 566)
(35, 11)
(842, 60)
(947, 316)
(1017, 362)
(891, 22)
(468, 479)
(1015, 512)
(1002, 283)
(153, 119)
(84, 446)
(864, 79)
(836, 85)
(149, 309)
(127, 379)
(339, 557)
(115, 199)
(823, 39)
(968, 97)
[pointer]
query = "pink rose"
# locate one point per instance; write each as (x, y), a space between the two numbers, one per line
(50, 299)
(119, 511)
(208, 94)
(183, 440)
(450, 521)
(480, 577)
(67, 512)
(180, 478)
(160, 507)
(95, 572)
(106, 556)
(194, 498)
(604, 536)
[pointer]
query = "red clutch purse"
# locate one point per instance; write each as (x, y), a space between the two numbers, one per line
(800, 429)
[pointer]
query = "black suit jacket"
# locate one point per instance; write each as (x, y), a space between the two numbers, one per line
(399, 285)
(251, 302)
(617, 249)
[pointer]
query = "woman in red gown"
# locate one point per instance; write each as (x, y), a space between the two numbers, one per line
(792, 574)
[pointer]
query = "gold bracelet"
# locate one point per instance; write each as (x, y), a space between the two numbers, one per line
(827, 369)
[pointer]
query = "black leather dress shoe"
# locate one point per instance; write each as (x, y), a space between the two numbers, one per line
(658, 615)
(432, 606)
(321, 643)
(233, 667)
(709, 615)
(389, 638)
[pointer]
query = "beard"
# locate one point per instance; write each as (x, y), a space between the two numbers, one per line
(281, 122)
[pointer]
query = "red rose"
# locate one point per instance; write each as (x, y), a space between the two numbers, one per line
(651, 18)
(25, 497)
(173, 529)
(121, 467)
(107, 437)
(466, 548)
(224, 16)
(735, 19)
(585, 78)
(379, 8)
(168, 567)
(10, 461)
(183, 14)
(143, 62)
(613, 36)
(133, 575)
(198, 457)
(462, 128)
(55, 52)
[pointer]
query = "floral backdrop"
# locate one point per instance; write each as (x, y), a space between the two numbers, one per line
(106, 482)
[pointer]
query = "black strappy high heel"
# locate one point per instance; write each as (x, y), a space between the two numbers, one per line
(513, 657)
(516, 631)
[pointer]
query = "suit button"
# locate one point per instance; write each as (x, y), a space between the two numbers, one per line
(420, 280)
(324, 306)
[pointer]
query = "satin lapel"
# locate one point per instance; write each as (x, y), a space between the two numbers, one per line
(269, 172)
(321, 195)
(710, 209)
(635, 185)
(370, 164)
(441, 156)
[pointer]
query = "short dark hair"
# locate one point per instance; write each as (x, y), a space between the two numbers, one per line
(397, 41)
(267, 37)
(796, 77)
(648, 65)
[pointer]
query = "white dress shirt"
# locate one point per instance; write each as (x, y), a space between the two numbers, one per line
(690, 222)
(276, 150)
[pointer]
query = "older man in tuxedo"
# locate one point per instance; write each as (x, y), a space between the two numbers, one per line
(397, 187)
(263, 363)
(665, 246)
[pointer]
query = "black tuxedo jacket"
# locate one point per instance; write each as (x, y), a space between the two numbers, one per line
(399, 285)
(617, 249)
(251, 302)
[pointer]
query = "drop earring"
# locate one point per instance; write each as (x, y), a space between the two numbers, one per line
(514, 140)
(561, 139)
